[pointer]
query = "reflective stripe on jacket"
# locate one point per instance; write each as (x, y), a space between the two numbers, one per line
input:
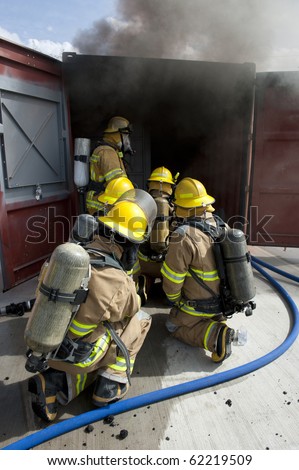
(189, 248)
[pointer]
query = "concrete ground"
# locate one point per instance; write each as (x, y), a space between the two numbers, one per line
(257, 411)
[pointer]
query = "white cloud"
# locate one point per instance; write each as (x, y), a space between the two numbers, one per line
(51, 48)
(282, 58)
(10, 36)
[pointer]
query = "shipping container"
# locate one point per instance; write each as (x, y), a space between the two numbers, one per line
(36, 189)
(233, 129)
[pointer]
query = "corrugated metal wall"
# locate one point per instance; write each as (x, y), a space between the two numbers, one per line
(35, 174)
(274, 191)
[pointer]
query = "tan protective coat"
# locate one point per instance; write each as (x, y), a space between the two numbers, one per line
(105, 165)
(112, 297)
(190, 247)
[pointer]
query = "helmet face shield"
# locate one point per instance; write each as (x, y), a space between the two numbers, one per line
(132, 216)
(126, 143)
(118, 131)
(126, 130)
(146, 203)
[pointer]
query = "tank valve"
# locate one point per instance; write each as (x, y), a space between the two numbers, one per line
(248, 309)
(35, 363)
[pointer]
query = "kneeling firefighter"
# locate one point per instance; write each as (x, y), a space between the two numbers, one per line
(105, 326)
(151, 254)
(211, 279)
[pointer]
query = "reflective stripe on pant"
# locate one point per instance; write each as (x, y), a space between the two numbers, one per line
(196, 331)
(133, 337)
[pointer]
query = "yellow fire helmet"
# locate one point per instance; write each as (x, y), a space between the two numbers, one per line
(118, 124)
(114, 189)
(162, 175)
(161, 179)
(191, 193)
(132, 215)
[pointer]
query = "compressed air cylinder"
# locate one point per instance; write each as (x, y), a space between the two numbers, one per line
(81, 162)
(49, 319)
(238, 265)
(160, 231)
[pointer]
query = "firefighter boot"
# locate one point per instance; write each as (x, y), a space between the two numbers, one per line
(44, 388)
(224, 341)
(108, 391)
(141, 288)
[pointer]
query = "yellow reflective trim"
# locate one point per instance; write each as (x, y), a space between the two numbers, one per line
(207, 334)
(94, 158)
(121, 364)
(110, 175)
(92, 203)
(136, 267)
(174, 296)
(80, 383)
(205, 275)
(191, 311)
(99, 349)
(142, 256)
(173, 276)
(81, 329)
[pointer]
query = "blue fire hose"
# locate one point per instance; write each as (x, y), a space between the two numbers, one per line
(274, 269)
(146, 399)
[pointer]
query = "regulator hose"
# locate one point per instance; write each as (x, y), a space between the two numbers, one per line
(146, 399)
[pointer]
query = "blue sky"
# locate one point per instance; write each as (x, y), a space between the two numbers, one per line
(56, 20)
(265, 32)
(50, 23)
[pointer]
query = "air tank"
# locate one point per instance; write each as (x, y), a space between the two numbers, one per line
(238, 265)
(81, 162)
(50, 317)
(160, 231)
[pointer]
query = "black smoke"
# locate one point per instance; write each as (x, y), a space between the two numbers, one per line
(209, 30)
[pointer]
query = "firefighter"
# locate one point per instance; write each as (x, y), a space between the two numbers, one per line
(114, 189)
(109, 329)
(151, 254)
(106, 161)
(196, 317)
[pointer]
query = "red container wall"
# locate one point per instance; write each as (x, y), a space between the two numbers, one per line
(274, 190)
(30, 228)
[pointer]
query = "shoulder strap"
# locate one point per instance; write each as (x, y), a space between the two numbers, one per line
(214, 233)
(201, 282)
(205, 227)
(105, 259)
(109, 144)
